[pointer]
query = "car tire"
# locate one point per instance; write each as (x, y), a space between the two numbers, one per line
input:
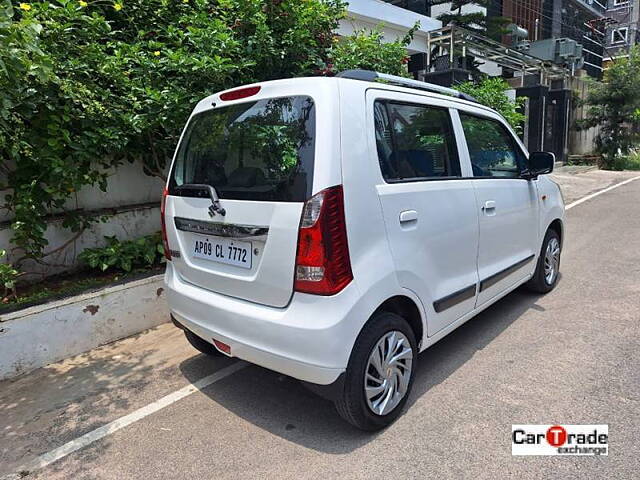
(395, 381)
(201, 345)
(545, 278)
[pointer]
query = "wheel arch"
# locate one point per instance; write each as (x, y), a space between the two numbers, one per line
(557, 226)
(407, 308)
(403, 304)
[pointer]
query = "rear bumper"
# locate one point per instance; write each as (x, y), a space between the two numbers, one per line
(310, 339)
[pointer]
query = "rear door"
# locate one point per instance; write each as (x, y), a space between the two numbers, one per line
(259, 157)
(428, 206)
(507, 205)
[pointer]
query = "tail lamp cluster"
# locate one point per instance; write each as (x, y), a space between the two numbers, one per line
(323, 266)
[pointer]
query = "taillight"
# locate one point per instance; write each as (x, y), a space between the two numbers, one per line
(323, 266)
(165, 241)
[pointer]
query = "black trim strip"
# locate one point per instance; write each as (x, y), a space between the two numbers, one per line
(394, 181)
(220, 229)
(454, 299)
(496, 277)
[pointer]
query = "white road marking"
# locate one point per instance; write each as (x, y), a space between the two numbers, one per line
(599, 192)
(101, 432)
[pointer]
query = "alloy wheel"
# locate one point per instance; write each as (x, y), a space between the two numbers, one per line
(551, 261)
(388, 372)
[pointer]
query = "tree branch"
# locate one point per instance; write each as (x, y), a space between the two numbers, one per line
(55, 250)
(155, 170)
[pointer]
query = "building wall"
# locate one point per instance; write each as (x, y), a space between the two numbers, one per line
(581, 142)
(130, 208)
(624, 16)
(393, 20)
(577, 15)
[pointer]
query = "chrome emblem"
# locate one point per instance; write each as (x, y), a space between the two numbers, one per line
(220, 229)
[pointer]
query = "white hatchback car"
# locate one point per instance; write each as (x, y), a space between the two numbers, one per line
(332, 228)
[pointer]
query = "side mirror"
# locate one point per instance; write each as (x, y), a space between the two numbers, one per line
(540, 163)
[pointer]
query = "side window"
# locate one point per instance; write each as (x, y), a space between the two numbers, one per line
(415, 142)
(492, 149)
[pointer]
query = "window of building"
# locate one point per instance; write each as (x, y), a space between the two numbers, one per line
(619, 3)
(415, 142)
(492, 149)
(620, 35)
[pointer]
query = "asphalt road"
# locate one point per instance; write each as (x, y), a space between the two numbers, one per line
(569, 357)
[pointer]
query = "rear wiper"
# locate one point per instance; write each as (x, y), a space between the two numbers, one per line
(213, 195)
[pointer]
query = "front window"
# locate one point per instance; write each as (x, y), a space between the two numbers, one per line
(492, 149)
(261, 150)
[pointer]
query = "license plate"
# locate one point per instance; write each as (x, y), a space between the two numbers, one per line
(223, 250)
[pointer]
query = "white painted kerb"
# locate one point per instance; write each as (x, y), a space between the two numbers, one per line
(43, 334)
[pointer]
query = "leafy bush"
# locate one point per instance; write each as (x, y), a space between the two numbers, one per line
(8, 275)
(614, 106)
(367, 50)
(143, 252)
(88, 85)
(491, 92)
(626, 162)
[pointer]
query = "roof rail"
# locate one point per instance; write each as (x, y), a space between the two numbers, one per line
(369, 76)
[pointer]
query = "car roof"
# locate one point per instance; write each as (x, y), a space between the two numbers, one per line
(366, 85)
(308, 84)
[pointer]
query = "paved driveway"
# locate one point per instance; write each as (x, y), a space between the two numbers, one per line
(569, 357)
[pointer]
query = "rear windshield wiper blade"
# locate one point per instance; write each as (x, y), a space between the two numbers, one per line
(208, 190)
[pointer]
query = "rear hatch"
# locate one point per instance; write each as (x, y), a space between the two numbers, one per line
(258, 155)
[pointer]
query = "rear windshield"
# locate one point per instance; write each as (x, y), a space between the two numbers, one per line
(260, 150)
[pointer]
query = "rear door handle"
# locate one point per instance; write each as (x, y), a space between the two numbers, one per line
(489, 205)
(408, 216)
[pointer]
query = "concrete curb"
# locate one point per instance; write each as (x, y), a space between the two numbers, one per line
(43, 334)
(575, 169)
